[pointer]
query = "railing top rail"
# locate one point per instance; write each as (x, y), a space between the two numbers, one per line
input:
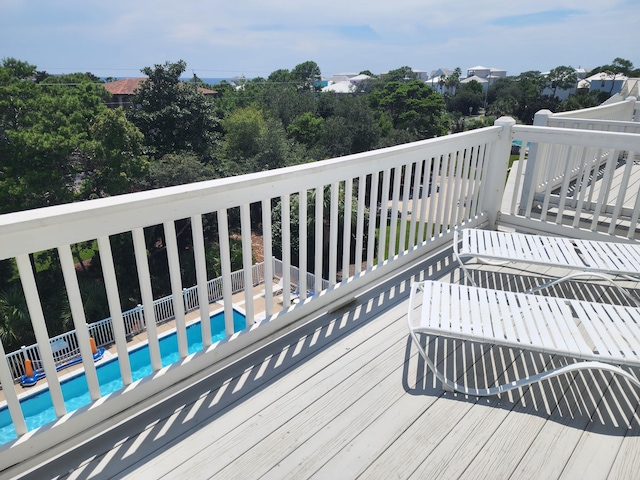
(596, 112)
(592, 121)
(49, 227)
(585, 138)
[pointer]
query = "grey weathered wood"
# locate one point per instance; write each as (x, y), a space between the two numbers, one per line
(348, 397)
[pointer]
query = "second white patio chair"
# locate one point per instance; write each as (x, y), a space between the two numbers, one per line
(603, 336)
(601, 259)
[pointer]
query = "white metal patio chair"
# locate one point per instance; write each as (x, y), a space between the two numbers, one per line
(600, 259)
(603, 336)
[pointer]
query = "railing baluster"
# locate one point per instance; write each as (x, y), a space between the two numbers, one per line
(346, 233)
(267, 244)
(415, 200)
(175, 277)
(402, 247)
(373, 215)
(225, 263)
(302, 242)
(10, 395)
(286, 250)
(201, 278)
(40, 330)
(333, 233)
(427, 180)
(113, 299)
(384, 215)
(319, 231)
(360, 224)
(397, 174)
(247, 261)
(448, 176)
(144, 278)
(79, 320)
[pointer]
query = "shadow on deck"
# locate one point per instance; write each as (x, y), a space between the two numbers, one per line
(347, 396)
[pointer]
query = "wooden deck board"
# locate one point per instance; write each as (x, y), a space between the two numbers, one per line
(349, 397)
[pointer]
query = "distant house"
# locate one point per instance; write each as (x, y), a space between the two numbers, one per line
(436, 76)
(344, 86)
(421, 75)
(344, 83)
(490, 75)
(475, 78)
(342, 77)
(606, 82)
(564, 93)
(122, 91)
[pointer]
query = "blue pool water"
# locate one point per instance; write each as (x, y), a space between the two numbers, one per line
(38, 408)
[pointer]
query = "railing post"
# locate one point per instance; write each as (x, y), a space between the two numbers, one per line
(499, 161)
(634, 106)
(541, 119)
(141, 319)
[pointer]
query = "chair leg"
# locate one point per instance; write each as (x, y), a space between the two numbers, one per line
(449, 385)
(571, 276)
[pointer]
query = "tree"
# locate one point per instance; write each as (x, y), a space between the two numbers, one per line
(619, 67)
(402, 74)
(305, 74)
(15, 324)
(280, 76)
(18, 69)
(115, 163)
(174, 117)
(452, 82)
(361, 123)
(412, 106)
(311, 219)
(468, 98)
(286, 101)
(45, 133)
(306, 129)
(177, 169)
(242, 129)
(563, 78)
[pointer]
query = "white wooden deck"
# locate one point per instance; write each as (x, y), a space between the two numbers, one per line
(347, 397)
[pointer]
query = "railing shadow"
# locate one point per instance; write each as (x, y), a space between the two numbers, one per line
(588, 400)
(593, 400)
(213, 397)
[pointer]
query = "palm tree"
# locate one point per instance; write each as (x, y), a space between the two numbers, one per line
(15, 323)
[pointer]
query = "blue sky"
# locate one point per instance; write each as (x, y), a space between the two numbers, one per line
(254, 38)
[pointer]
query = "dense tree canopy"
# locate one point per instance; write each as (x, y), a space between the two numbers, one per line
(60, 143)
(174, 116)
(58, 140)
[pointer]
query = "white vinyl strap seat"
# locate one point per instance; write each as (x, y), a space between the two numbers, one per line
(602, 259)
(604, 336)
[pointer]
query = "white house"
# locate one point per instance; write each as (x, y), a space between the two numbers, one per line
(482, 81)
(490, 74)
(606, 82)
(435, 77)
(486, 72)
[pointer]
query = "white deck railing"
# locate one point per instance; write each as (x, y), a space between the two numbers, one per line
(617, 117)
(406, 202)
(65, 346)
(596, 196)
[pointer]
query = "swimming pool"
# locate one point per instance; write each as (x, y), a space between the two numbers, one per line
(38, 408)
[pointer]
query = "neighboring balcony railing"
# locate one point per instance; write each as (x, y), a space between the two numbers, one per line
(354, 219)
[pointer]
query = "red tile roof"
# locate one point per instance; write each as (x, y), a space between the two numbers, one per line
(127, 86)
